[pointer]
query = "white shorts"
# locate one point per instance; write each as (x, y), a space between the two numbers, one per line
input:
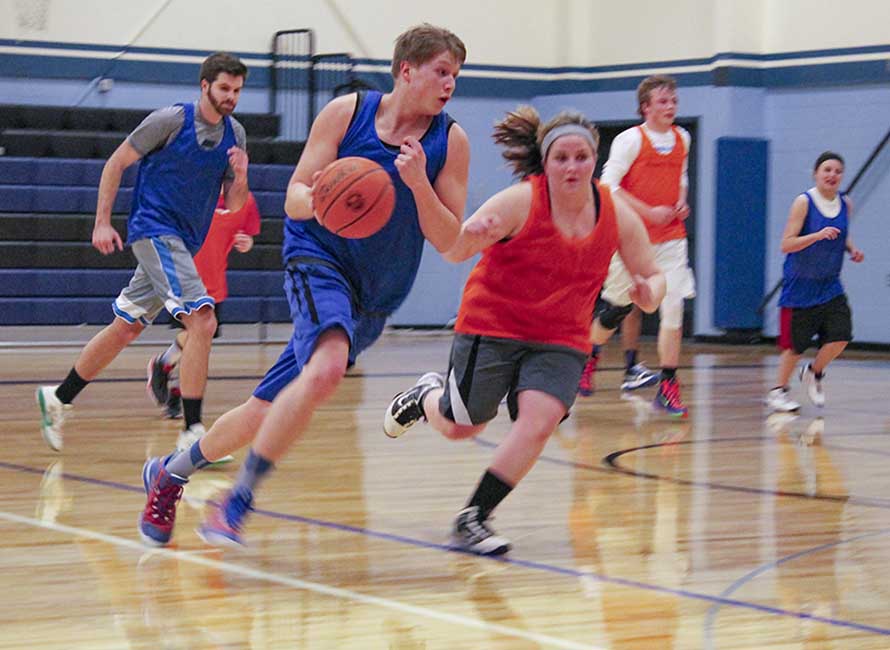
(672, 258)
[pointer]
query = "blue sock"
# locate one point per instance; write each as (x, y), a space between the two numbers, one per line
(595, 350)
(253, 470)
(630, 358)
(186, 463)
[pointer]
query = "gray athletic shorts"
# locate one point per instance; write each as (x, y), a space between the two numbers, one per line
(166, 277)
(484, 369)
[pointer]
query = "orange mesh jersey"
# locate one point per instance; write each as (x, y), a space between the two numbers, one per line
(654, 178)
(540, 286)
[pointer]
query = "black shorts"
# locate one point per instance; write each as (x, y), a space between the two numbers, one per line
(831, 322)
(176, 324)
(484, 369)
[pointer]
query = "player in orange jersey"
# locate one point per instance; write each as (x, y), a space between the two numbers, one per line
(647, 167)
(552, 236)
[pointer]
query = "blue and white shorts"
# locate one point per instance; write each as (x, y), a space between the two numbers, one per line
(166, 278)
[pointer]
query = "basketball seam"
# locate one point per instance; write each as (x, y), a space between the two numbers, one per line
(354, 180)
(370, 207)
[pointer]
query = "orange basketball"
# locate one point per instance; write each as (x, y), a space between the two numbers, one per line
(353, 197)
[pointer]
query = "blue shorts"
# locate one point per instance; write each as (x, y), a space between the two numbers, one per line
(320, 299)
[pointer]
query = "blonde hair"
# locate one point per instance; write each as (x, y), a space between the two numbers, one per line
(521, 134)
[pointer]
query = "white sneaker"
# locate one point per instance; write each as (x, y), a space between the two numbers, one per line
(52, 415)
(813, 385)
(406, 409)
(472, 533)
(779, 401)
(193, 434)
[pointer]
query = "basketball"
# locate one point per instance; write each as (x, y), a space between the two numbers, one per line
(353, 197)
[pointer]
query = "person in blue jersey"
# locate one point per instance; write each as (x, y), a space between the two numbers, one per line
(340, 290)
(813, 302)
(186, 152)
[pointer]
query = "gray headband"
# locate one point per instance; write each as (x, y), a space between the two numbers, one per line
(565, 129)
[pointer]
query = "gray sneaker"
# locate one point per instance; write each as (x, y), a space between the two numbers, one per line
(639, 376)
(473, 534)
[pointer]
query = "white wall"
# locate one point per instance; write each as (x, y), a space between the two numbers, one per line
(497, 32)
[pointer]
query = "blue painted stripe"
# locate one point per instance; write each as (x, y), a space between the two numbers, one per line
(69, 63)
(167, 265)
(504, 560)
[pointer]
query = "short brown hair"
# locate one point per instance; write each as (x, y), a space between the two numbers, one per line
(647, 85)
(425, 42)
(222, 62)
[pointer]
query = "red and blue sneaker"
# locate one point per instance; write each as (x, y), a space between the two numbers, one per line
(163, 491)
(587, 384)
(668, 399)
(224, 522)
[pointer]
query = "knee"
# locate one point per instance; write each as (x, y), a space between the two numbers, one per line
(201, 323)
(671, 312)
(324, 375)
(455, 431)
(126, 332)
(610, 316)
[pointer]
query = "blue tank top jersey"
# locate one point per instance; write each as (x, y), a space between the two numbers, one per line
(812, 276)
(177, 186)
(381, 268)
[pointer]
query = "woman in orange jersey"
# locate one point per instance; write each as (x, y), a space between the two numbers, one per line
(522, 329)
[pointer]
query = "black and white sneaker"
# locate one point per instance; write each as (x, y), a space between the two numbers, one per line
(406, 409)
(472, 533)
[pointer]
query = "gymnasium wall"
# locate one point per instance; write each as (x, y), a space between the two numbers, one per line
(803, 74)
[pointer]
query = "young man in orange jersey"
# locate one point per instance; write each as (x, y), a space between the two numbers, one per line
(647, 167)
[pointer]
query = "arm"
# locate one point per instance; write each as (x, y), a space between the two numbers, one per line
(105, 237)
(321, 148)
(440, 208)
(503, 215)
(639, 258)
(792, 241)
(235, 183)
(856, 255)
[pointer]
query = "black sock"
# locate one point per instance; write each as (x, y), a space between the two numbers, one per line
(68, 389)
(595, 351)
(668, 373)
(630, 358)
(489, 493)
(817, 375)
(191, 410)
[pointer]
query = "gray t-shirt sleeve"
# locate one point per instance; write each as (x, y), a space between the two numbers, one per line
(157, 130)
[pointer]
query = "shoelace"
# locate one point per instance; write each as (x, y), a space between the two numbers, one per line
(672, 392)
(163, 502)
(478, 529)
(409, 406)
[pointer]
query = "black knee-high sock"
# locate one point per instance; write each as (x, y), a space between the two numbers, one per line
(489, 493)
(68, 389)
(191, 410)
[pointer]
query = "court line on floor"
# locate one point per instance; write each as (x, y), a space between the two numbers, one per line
(305, 585)
(528, 564)
(711, 616)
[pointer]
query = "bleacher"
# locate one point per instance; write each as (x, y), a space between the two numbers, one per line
(49, 179)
